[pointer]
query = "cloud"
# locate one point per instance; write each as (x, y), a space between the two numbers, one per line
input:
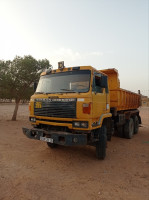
(71, 56)
(96, 53)
(66, 53)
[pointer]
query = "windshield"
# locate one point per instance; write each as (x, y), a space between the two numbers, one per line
(72, 81)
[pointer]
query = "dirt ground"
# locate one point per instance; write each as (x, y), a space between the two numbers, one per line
(29, 170)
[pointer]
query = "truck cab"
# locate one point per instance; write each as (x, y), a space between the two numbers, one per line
(69, 105)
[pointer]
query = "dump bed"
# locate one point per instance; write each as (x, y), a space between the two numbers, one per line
(120, 98)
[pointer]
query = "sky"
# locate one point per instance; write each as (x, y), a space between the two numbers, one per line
(101, 33)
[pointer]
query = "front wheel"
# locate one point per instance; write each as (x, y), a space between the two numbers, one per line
(51, 145)
(101, 144)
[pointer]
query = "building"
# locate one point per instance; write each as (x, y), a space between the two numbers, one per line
(144, 101)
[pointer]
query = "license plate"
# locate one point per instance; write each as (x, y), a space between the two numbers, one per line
(46, 139)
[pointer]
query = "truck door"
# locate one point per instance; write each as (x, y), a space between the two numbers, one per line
(99, 97)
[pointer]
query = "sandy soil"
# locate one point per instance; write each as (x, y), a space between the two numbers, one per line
(29, 170)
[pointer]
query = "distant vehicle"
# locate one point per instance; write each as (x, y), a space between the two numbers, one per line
(82, 106)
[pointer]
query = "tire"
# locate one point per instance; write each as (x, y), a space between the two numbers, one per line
(120, 130)
(129, 129)
(51, 145)
(101, 144)
(136, 124)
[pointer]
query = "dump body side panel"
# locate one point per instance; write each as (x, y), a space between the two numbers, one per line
(124, 100)
(119, 98)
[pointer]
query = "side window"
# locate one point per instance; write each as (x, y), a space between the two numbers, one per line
(99, 83)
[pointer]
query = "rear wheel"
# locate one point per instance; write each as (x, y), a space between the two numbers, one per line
(51, 145)
(129, 129)
(101, 144)
(136, 124)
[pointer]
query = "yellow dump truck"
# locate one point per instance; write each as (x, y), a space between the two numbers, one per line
(82, 106)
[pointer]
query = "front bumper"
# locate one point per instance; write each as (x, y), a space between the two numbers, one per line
(58, 137)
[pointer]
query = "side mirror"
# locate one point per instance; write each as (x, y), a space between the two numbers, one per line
(35, 86)
(104, 82)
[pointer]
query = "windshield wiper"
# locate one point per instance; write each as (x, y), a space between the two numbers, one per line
(68, 90)
(43, 93)
(39, 92)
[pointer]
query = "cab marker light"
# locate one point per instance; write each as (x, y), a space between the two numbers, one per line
(86, 108)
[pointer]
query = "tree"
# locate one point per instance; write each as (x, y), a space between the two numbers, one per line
(17, 76)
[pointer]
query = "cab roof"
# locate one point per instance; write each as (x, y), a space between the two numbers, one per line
(76, 68)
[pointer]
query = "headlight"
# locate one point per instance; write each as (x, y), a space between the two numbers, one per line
(76, 124)
(80, 124)
(32, 119)
(84, 124)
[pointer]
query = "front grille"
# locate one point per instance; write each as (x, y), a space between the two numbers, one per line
(61, 108)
